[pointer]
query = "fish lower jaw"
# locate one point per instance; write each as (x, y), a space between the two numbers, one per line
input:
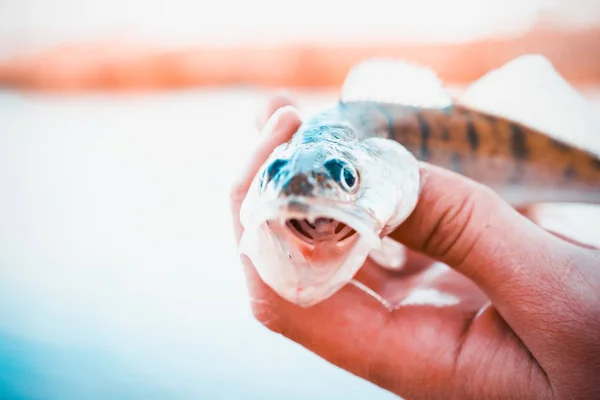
(301, 266)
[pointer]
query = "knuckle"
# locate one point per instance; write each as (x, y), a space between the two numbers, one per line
(460, 223)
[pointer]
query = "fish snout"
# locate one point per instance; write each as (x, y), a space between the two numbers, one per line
(299, 185)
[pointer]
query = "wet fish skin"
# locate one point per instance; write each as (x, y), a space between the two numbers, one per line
(522, 164)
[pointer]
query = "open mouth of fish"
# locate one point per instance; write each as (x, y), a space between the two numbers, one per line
(313, 222)
(319, 230)
(306, 249)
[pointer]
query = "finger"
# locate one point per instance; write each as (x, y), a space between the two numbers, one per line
(403, 351)
(279, 100)
(573, 241)
(533, 213)
(355, 332)
(379, 278)
(520, 266)
(429, 279)
(279, 129)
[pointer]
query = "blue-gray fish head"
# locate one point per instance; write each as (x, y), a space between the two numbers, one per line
(312, 171)
(316, 209)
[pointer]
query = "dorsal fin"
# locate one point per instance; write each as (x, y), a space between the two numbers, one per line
(394, 81)
(529, 90)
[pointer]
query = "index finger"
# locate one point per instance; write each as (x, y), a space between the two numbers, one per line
(278, 129)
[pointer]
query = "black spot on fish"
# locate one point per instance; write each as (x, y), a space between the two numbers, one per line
(425, 133)
(557, 144)
(472, 135)
(596, 162)
(456, 162)
(569, 172)
(518, 142)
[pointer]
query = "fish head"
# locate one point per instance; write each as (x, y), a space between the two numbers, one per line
(314, 212)
(322, 170)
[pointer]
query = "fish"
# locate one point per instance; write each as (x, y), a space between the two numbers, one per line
(327, 199)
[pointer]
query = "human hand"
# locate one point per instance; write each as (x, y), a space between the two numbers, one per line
(510, 311)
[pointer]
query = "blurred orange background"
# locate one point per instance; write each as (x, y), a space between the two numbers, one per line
(304, 45)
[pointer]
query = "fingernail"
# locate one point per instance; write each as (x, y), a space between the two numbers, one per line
(278, 119)
(270, 124)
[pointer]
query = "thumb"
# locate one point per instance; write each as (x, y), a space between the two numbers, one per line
(520, 266)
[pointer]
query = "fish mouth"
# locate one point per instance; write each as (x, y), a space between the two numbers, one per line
(317, 221)
(307, 249)
(320, 230)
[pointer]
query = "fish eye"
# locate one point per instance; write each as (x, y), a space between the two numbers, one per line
(272, 170)
(346, 176)
(349, 177)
